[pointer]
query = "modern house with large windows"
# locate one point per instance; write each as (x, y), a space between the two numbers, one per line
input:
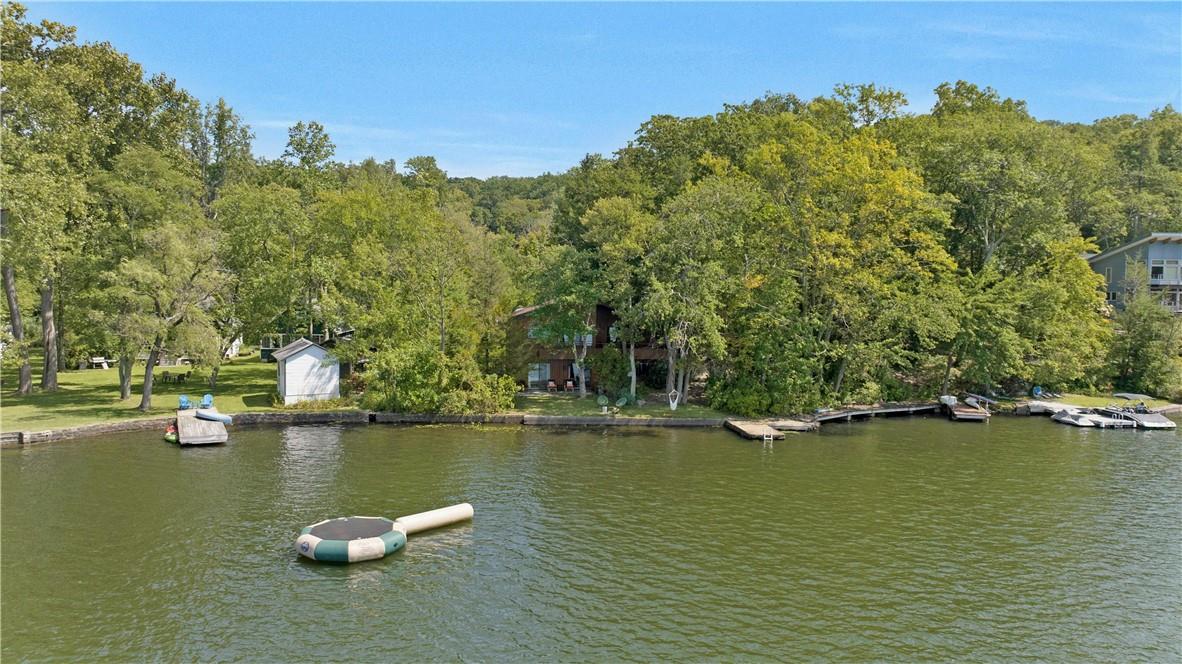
(551, 362)
(1160, 253)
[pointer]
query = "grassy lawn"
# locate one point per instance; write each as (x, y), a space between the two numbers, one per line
(1090, 401)
(88, 396)
(567, 404)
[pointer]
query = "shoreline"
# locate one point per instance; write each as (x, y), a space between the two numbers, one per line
(14, 439)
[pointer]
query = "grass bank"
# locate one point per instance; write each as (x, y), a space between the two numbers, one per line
(89, 396)
(1105, 400)
(245, 384)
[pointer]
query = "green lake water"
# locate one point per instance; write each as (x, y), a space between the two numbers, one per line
(900, 540)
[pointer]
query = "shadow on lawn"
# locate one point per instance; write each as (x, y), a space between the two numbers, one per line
(256, 400)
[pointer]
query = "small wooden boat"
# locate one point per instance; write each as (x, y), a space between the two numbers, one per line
(964, 412)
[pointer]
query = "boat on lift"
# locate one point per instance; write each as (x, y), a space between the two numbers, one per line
(1088, 417)
(1143, 417)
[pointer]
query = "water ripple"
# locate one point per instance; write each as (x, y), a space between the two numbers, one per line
(905, 540)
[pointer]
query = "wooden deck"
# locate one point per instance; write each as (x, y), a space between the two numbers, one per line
(753, 430)
(194, 431)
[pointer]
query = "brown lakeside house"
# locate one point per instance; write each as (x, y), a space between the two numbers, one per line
(551, 365)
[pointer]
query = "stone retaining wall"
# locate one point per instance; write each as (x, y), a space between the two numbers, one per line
(15, 438)
(18, 438)
(593, 421)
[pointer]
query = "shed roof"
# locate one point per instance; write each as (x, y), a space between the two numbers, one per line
(294, 347)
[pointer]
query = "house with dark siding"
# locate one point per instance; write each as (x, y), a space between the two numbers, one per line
(549, 360)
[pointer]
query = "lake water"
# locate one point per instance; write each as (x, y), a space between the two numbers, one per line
(902, 540)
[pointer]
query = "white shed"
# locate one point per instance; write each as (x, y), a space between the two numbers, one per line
(307, 372)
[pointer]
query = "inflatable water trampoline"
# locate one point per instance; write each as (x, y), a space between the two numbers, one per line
(351, 539)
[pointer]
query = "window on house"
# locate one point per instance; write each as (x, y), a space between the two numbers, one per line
(1108, 277)
(539, 373)
(533, 332)
(1172, 300)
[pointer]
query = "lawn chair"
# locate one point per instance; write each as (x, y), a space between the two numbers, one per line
(207, 401)
(166, 377)
(185, 404)
(569, 386)
(551, 386)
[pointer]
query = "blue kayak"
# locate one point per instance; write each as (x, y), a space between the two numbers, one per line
(213, 416)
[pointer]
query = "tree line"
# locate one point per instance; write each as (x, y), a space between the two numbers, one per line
(789, 253)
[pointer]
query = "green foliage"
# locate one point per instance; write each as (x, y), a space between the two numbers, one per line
(793, 252)
(1146, 355)
(419, 379)
(610, 368)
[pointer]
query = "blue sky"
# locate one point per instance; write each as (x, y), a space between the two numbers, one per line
(520, 89)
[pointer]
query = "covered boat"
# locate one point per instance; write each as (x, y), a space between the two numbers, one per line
(1088, 417)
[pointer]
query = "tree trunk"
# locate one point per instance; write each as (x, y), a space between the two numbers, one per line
(683, 384)
(840, 375)
(48, 337)
(25, 382)
(632, 370)
(59, 324)
(580, 374)
(947, 372)
(442, 325)
(125, 363)
(671, 371)
(146, 399)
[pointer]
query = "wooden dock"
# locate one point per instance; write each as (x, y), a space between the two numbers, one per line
(194, 431)
(754, 430)
(886, 410)
(1042, 408)
(758, 429)
(793, 425)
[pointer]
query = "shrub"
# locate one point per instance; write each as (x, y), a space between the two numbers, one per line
(610, 368)
(418, 378)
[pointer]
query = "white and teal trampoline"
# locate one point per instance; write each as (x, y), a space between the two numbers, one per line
(351, 539)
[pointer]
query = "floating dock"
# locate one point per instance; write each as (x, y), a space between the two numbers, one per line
(793, 425)
(754, 430)
(194, 431)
